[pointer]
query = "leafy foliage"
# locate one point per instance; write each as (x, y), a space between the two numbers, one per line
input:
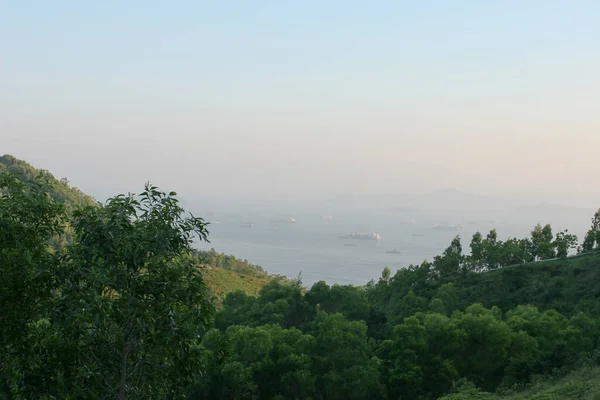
(120, 312)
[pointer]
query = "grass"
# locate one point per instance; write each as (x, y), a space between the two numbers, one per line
(583, 384)
(221, 281)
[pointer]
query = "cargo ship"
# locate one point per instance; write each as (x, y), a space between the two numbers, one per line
(290, 220)
(446, 227)
(363, 236)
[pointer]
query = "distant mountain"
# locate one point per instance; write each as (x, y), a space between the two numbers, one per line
(457, 200)
(440, 200)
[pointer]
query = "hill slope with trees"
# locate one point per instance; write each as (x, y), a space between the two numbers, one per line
(123, 310)
(223, 273)
(60, 190)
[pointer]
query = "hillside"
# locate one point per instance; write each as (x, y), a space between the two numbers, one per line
(221, 281)
(583, 384)
(567, 285)
(223, 273)
(70, 196)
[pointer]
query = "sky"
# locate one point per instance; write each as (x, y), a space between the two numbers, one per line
(306, 99)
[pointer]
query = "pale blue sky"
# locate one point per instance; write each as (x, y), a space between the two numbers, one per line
(288, 99)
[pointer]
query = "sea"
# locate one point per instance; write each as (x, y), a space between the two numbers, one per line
(313, 249)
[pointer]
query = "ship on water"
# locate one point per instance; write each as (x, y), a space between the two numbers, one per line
(446, 227)
(327, 218)
(363, 236)
(246, 225)
(290, 220)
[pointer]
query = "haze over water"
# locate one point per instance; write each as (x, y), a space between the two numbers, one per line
(312, 246)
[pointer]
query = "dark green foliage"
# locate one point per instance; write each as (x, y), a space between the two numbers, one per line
(29, 219)
(60, 190)
(118, 313)
(592, 238)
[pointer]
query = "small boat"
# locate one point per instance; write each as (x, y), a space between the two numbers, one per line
(327, 218)
(418, 234)
(247, 225)
(350, 245)
(392, 251)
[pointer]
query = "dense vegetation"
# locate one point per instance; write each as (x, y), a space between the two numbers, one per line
(70, 197)
(225, 273)
(122, 310)
(229, 262)
(60, 190)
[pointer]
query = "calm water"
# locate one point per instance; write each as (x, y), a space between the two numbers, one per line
(313, 246)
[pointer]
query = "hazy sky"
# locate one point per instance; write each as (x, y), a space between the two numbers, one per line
(305, 99)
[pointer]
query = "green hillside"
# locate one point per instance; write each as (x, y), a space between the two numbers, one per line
(221, 281)
(225, 273)
(583, 384)
(61, 191)
(566, 285)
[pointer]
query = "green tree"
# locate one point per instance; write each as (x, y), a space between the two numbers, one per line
(447, 293)
(351, 301)
(29, 219)
(541, 238)
(564, 242)
(133, 304)
(592, 237)
(451, 261)
(477, 257)
(343, 359)
(486, 345)
(492, 248)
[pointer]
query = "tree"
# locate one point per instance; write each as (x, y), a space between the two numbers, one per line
(29, 219)
(451, 260)
(492, 248)
(133, 304)
(564, 242)
(541, 238)
(592, 238)
(385, 275)
(476, 258)
(343, 361)
(486, 344)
